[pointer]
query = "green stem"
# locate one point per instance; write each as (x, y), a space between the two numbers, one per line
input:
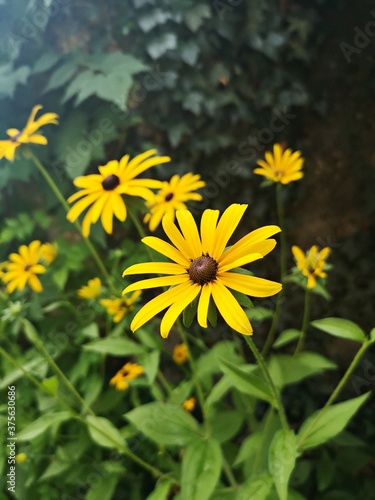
(193, 368)
(337, 391)
(66, 206)
(283, 252)
(141, 232)
(163, 382)
(305, 322)
(229, 473)
(267, 376)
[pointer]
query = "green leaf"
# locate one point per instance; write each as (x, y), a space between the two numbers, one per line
(329, 424)
(194, 18)
(342, 328)
(281, 460)
(286, 337)
(225, 424)
(257, 488)
(116, 346)
(164, 423)
(248, 382)
(104, 433)
(150, 364)
(42, 424)
(10, 78)
(103, 489)
(201, 466)
(161, 491)
(51, 384)
(286, 369)
(212, 313)
(372, 335)
(242, 299)
(259, 313)
(158, 47)
(189, 313)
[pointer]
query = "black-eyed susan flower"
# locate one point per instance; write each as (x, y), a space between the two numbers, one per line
(48, 252)
(171, 197)
(23, 267)
(203, 266)
(128, 372)
(189, 404)
(27, 135)
(119, 307)
(312, 263)
(103, 192)
(281, 166)
(91, 290)
(180, 353)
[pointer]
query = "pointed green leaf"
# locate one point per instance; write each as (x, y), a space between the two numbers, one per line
(212, 313)
(116, 346)
(286, 337)
(42, 424)
(339, 327)
(189, 313)
(103, 489)
(201, 466)
(247, 382)
(161, 491)
(281, 460)
(329, 424)
(104, 433)
(165, 423)
(257, 487)
(372, 335)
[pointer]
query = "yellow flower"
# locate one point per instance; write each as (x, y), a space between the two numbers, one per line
(20, 458)
(128, 372)
(23, 267)
(202, 266)
(189, 404)
(3, 266)
(171, 197)
(312, 263)
(180, 353)
(104, 191)
(27, 135)
(91, 290)
(281, 166)
(119, 307)
(49, 252)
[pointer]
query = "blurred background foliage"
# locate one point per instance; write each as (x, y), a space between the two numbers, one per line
(214, 85)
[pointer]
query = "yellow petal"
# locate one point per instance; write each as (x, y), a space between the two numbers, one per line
(246, 259)
(177, 239)
(208, 228)
(166, 249)
(107, 217)
(227, 224)
(80, 206)
(204, 302)
(190, 231)
(250, 285)
(156, 282)
(35, 284)
(155, 267)
(38, 139)
(182, 300)
(230, 309)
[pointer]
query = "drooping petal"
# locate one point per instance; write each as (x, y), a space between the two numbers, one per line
(156, 282)
(230, 309)
(182, 300)
(203, 304)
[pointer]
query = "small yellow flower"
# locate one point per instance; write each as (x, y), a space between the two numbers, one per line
(91, 290)
(27, 135)
(23, 267)
(180, 353)
(203, 266)
(20, 458)
(171, 197)
(189, 404)
(281, 166)
(49, 252)
(312, 263)
(128, 372)
(3, 266)
(119, 307)
(104, 191)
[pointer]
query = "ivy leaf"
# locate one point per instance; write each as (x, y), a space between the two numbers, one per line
(159, 46)
(194, 18)
(10, 78)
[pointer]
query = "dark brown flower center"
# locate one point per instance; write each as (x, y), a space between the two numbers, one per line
(110, 182)
(168, 197)
(16, 136)
(27, 267)
(203, 269)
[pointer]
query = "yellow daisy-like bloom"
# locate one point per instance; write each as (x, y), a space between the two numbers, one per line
(312, 263)
(49, 252)
(27, 135)
(202, 266)
(119, 307)
(128, 372)
(172, 197)
(91, 290)
(281, 166)
(104, 191)
(23, 267)
(189, 404)
(180, 353)
(3, 266)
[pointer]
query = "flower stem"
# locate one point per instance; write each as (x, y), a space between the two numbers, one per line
(283, 249)
(193, 368)
(267, 376)
(65, 204)
(305, 322)
(337, 391)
